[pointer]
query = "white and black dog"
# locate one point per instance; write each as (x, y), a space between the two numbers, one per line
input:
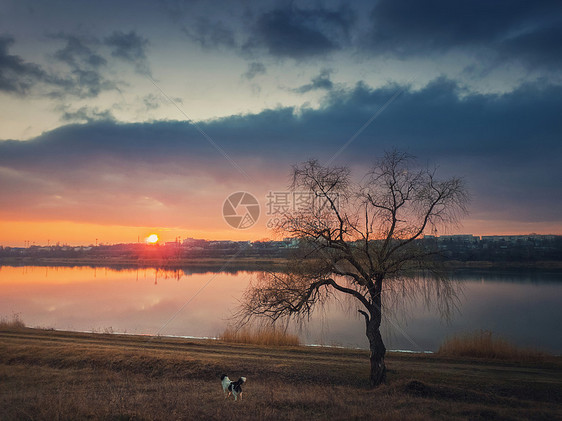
(232, 388)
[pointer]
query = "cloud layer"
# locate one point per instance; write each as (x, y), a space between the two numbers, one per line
(84, 60)
(504, 145)
(272, 83)
(528, 32)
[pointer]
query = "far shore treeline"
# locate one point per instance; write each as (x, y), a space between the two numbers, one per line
(459, 250)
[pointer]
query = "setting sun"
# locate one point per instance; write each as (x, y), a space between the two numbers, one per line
(152, 239)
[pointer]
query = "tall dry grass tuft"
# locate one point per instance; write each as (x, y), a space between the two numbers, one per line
(483, 344)
(264, 335)
(13, 323)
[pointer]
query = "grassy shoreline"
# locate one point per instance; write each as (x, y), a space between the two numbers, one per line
(228, 263)
(68, 375)
(203, 263)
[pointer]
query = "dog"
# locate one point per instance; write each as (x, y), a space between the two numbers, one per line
(232, 388)
(225, 382)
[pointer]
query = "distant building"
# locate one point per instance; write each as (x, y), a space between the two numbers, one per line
(462, 238)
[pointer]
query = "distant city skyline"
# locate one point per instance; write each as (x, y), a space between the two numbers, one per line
(182, 240)
(125, 119)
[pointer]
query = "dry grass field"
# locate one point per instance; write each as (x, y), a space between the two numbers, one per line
(52, 375)
(484, 344)
(261, 335)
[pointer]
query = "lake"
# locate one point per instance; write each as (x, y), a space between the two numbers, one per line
(522, 306)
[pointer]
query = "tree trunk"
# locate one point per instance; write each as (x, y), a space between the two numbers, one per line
(376, 345)
(378, 350)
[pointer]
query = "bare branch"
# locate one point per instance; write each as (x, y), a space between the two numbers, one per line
(364, 241)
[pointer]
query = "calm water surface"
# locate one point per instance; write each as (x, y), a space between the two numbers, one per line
(523, 307)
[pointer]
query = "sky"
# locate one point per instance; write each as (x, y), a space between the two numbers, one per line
(123, 119)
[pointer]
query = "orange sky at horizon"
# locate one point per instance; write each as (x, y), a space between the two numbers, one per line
(42, 233)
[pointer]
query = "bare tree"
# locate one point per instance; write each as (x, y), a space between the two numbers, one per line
(362, 240)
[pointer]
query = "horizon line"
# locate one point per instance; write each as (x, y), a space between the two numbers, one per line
(60, 244)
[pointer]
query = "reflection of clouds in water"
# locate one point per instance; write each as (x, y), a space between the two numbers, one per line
(135, 301)
(141, 301)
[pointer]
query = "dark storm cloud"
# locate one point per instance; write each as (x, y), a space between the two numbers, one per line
(20, 77)
(300, 33)
(440, 119)
(77, 54)
(86, 79)
(539, 48)
(85, 58)
(76, 145)
(507, 146)
(444, 120)
(320, 82)
(523, 30)
(130, 47)
(85, 115)
(16, 75)
(85, 65)
(493, 33)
